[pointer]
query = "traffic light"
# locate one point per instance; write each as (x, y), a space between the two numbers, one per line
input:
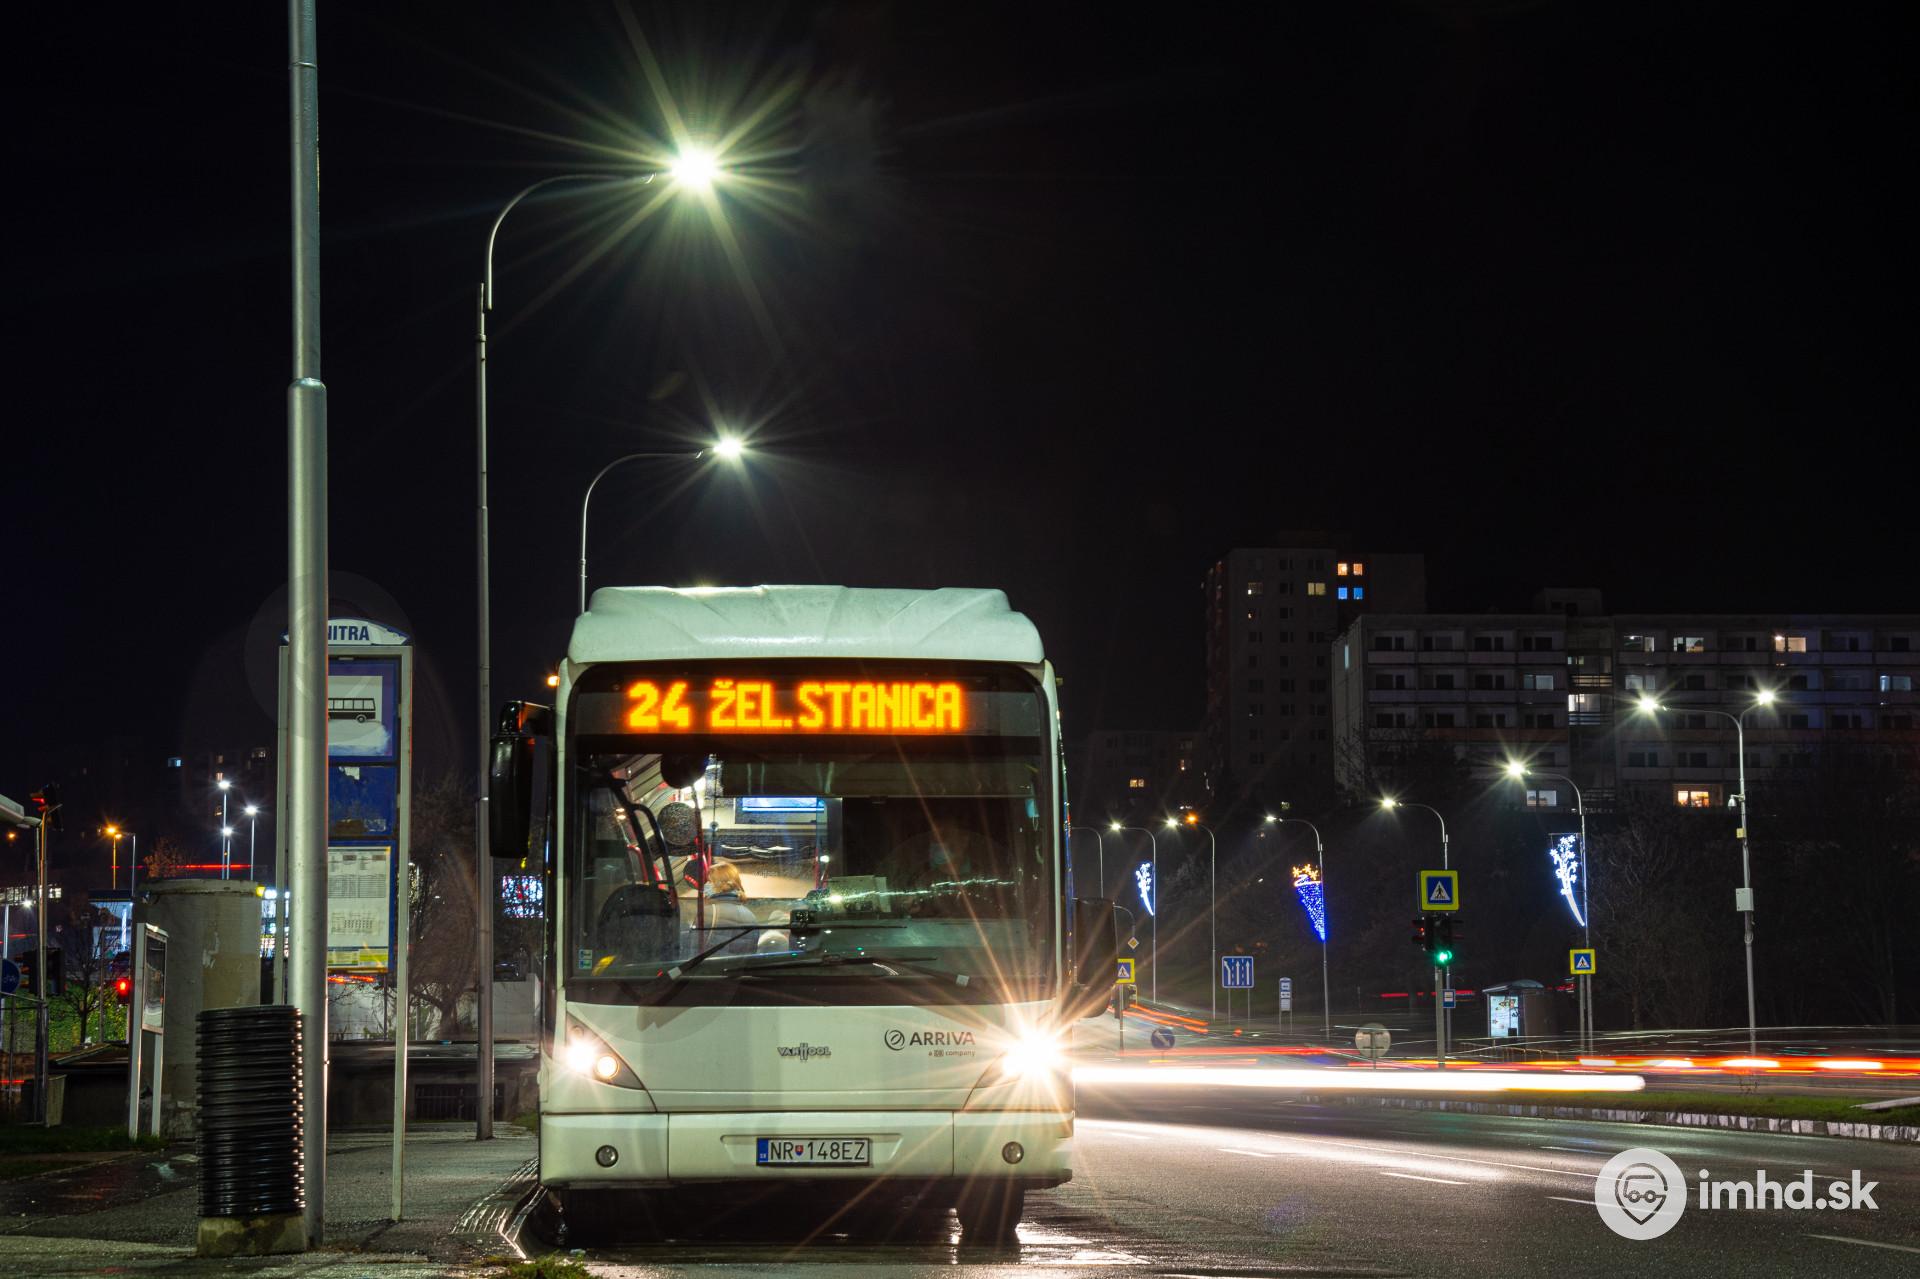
(1423, 933)
(46, 806)
(56, 973)
(123, 989)
(1443, 941)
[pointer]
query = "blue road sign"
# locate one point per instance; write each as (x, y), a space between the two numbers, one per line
(1125, 974)
(1580, 961)
(1446, 999)
(9, 977)
(1439, 890)
(1236, 972)
(1161, 1037)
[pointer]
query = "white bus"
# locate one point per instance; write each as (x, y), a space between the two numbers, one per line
(807, 900)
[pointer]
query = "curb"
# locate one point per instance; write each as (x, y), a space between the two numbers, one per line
(1903, 1133)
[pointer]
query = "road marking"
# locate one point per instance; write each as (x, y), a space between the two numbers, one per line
(1427, 1154)
(1866, 1243)
(1584, 1203)
(1408, 1176)
(1234, 1150)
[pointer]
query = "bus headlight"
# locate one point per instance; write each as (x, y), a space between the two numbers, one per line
(588, 1056)
(1033, 1055)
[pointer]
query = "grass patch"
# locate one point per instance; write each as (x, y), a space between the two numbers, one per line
(1843, 1109)
(32, 1139)
(530, 1120)
(552, 1266)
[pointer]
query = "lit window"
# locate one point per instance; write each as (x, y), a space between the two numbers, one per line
(1693, 797)
(1689, 644)
(1543, 681)
(1255, 588)
(1341, 591)
(1896, 683)
(1316, 588)
(1136, 783)
(1340, 570)
(1359, 592)
(1543, 798)
(1359, 569)
(1789, 643)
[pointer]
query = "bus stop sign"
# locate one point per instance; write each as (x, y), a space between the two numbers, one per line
(9, 977)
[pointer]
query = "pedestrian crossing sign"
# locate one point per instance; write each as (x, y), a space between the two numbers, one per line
(1580, 962)
(1125, 976)
(1439, 890)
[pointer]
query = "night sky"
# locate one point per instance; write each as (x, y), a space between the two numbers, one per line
(1064, 300)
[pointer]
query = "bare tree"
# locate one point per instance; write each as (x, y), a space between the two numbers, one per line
(443, 898)
(1650, 911)
(165, 858)
(87, 946)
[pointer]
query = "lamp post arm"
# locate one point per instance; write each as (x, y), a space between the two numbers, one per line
(599, 179)
(588, 499)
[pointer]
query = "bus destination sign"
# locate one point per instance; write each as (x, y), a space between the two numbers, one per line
(727, 705)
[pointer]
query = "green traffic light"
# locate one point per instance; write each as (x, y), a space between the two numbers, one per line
(1443, 957)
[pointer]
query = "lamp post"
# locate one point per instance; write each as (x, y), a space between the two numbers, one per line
(1389, 803)
(695, 171)
(1518, 770)
(113, 832)
(1213, 909)
(1743, 900)
(726, 447)
(1099, 844)
(1320, 856)
(1153, 909)
(133, 872)
(226, 829)
(253, 820)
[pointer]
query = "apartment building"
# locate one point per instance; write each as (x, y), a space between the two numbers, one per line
(1272, 613)
(1562, 687)
(1134, 775)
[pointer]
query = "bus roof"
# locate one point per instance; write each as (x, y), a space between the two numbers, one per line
(661, 623)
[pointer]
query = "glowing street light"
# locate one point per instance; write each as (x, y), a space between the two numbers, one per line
(1389, 803)
(728, 448)
(1318, 876)
(1213, 905)
(1743, 899)
(695, 169)
(1518, 771)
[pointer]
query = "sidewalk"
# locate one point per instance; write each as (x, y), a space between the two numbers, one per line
(139, 1212)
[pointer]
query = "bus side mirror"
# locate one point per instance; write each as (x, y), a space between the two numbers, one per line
(520, 783)
(1096, 955)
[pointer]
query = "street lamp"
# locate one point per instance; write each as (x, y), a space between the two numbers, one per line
(253, 819)
(1389, 803)
(1320, 856)
(226, 831)
(1213, 909)
(1518, 771)
(1099, 844)
(1743, 900)
(1153, 908)
(691, 171)
(728, 447)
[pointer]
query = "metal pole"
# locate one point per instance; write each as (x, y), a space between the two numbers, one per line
(306, 812)
(1213, 927)
(1154, 844)
(584, 501)
(483, 859)
(402, 942)
(40, 1112)
(1746, 883)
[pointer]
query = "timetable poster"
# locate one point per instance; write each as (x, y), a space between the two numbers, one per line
(359, 905)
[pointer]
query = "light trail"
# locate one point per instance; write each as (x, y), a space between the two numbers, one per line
(1353, 1080)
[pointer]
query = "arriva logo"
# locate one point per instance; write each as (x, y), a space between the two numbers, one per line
(803, 1051)
(898, 1039)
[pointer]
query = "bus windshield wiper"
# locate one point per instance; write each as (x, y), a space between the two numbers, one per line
(833, 959)
(680, 970)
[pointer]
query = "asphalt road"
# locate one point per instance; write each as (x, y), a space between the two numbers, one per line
(1177, 1184)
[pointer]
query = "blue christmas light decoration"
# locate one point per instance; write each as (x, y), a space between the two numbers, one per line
(1565, 852)
(1143, 876)
(1313, 897)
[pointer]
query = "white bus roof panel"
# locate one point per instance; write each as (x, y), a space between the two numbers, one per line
(660, 623)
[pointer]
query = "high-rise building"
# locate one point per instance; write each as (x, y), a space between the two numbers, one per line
(1272, 613)
(1560, 686)
(1135, 775)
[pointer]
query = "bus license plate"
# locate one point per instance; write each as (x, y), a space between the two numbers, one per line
(843, 1152)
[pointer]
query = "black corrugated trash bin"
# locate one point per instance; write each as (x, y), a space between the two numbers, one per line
(252, 1189)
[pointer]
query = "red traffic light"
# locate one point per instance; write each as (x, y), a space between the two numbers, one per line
(123, 989)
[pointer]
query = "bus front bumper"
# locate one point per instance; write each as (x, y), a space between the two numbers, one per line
(1031, 1148)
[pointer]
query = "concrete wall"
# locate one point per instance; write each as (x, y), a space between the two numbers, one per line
(213, 961)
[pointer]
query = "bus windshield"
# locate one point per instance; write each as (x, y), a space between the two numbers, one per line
(830, 868)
